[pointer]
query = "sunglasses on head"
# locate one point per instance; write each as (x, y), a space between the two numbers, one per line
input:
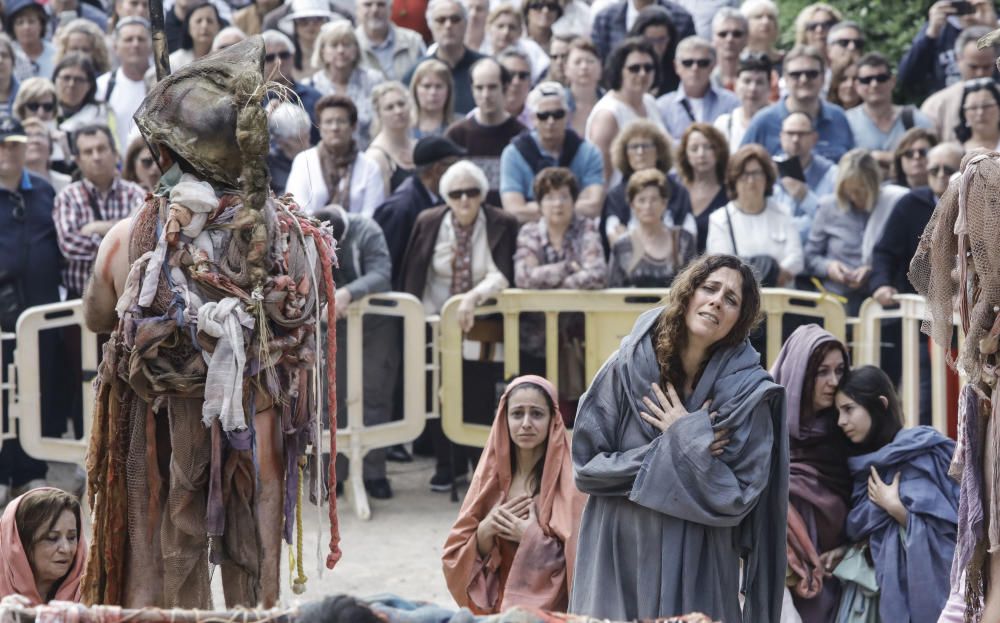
(808, 74)
(270, 58)
(918, 152)
(703, 63)
(879, 78)
(640, 67)
(942, 170)
(458, 193)
(858, 44)
(36, 106)
(555, 114)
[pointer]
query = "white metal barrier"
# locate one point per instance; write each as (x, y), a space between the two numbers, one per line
(8, 387)
(867, 351)
(26, 404)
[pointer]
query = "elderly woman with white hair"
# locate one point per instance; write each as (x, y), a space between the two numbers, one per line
(848, 224)
(338, 56)
(392, 131)
(466, 249)
(289, 126)
(762, 36)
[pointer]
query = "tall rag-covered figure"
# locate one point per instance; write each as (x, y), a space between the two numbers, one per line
(680, 442)
(207, 396)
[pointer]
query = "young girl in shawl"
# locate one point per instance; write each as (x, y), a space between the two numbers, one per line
(514, 541)
(810, 365)
(42, 548)
(680, 442)
(903, 503)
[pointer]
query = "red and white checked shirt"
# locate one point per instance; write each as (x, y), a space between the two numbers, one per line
(75, 206)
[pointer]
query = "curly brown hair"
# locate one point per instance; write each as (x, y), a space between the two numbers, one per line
(738, 162)
(551, 179)
(641, 128)
(671, 335)
(719, 145)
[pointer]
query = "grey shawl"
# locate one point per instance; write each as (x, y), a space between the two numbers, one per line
(667, 524)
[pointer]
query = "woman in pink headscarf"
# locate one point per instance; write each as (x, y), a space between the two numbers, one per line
(42, 549)
(514, 542)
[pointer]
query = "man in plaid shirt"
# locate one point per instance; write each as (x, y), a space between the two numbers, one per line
(86, 210)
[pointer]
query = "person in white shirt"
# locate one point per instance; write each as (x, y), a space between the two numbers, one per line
(335, 171)
(123, 89)
(752, 225)
(753, 87)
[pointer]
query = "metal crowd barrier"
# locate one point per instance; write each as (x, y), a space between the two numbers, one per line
(867, 351)
(608, 316)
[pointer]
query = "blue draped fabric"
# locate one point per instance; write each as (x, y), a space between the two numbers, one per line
(912, 564)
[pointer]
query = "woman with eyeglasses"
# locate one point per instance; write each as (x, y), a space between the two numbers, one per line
(336, 171)
(432, 88)
(539, 16)
(652, 253)
(392, 147)
(642, 146)
(847, 225)
(583, 74)
(631, 70)
(814, 22)
(752, 225)
(26, 22)
(504, 29)
(338, 55)
(655, 26)
(910, 158)
(139, 165)
(76, 95)
(762, 35)
(979, 115)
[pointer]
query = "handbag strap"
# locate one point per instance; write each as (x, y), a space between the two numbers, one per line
(732, 236)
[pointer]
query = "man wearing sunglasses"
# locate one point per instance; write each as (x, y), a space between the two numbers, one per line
(123, 89)
(729, 38)
(696, 99)
(29, 275)
(943, 107)
(279, 67)
(803, 71)
(550, 144)
(877, 123)
(385, 47)
(931, 63)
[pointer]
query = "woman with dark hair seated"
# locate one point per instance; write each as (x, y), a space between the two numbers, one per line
(42, 547)
(979, 115)
(655, 26)
(681, 443)
(909, 161)
(514, 542)
(904, 506)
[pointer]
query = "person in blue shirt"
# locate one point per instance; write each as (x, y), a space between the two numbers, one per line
(550, 144)
(696, 100)
(801, 198)
(803, 71)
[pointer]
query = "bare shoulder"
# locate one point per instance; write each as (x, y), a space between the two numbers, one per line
(112, 266)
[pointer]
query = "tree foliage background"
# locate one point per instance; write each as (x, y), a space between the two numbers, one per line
(889, 25)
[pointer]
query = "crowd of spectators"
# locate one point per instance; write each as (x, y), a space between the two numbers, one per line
(473, 145)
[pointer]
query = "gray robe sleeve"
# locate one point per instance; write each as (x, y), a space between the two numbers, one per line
(600, 466)
(680, 477)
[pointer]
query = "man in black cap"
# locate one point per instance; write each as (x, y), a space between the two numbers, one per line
(432, 157)
(29, 275)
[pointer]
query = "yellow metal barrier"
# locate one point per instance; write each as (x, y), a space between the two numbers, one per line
(356, 439)
(867, 351)
(608, 316)
(27, 403)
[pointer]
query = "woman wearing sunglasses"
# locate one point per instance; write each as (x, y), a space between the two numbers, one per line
(814, 22)
(655, 25)
(631, 70)
(139, 165)
(36, 98)
(909, 162)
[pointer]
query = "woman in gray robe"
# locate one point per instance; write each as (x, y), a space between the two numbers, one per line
(681, 443)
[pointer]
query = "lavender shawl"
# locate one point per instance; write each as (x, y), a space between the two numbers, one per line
(667, 523)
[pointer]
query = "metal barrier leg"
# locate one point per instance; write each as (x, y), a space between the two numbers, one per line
(358, 494)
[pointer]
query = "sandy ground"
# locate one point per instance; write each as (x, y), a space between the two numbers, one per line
(397, 551)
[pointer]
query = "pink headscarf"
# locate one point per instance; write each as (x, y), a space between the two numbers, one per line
(16, 576)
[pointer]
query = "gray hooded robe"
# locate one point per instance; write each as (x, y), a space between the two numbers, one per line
(667, 524)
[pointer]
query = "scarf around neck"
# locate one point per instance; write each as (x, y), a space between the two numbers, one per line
(337, 167)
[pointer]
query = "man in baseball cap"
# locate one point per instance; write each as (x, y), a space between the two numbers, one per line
(432, 157)
(11, 130)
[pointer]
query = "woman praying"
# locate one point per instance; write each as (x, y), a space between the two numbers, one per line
(513, 543)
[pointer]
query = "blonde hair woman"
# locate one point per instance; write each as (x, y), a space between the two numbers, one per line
(84, 36)
(337, 54)
(392, 147)
(433, 91)
(848, 224)
(813, 24)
